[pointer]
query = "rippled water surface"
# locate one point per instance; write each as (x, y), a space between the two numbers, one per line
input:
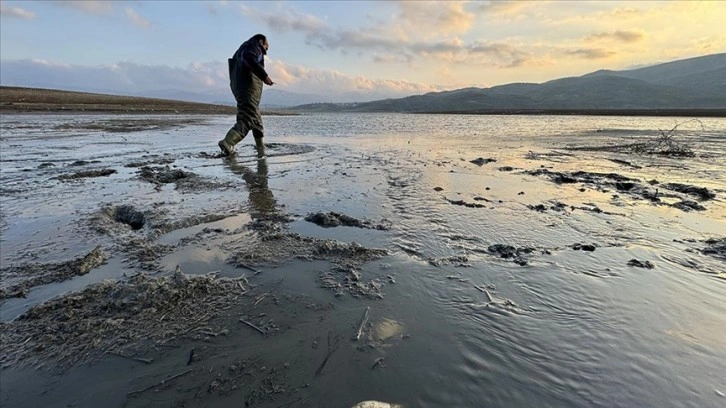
(553, 326)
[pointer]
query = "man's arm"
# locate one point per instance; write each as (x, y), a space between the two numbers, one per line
(250, 57)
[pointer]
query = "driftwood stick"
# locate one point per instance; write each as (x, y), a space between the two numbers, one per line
(362, 324)
(162, 382)
(143, 360)
(480, 289)
(489, 296)
(256, 271)
(259, 299)
(252, 326)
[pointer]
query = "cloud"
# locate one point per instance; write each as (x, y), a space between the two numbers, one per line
(16, 12)
(287, 20)
(301, 79)
(87, 6)
(625, 36)
(136, 19)
(434, 18)
(208, 81)
(507, 9)
(590, 53)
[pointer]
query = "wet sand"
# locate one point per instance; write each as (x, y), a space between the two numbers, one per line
(275, 282)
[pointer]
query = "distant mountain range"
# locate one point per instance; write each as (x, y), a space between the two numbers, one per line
(696, 83)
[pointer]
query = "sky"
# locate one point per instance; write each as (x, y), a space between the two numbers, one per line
(344, 50)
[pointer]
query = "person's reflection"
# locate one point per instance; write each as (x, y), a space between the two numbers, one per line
(262, 202)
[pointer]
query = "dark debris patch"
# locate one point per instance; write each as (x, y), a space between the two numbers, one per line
(688, 205)
(482, 161)
(87, 174)
(334, 219)
(702, 193)
(581, 177)
(465, 204)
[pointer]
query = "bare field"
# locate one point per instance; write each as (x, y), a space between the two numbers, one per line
(15, 99)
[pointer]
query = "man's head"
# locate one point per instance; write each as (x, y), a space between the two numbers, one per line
(262, 40)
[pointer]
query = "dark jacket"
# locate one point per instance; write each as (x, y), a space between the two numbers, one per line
(246, 76)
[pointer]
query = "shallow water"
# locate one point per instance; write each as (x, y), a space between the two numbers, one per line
(568, 328)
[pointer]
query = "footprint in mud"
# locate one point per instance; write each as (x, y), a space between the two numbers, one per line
(383, 331)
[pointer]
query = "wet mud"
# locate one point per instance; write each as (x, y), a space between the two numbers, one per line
(87, 174)
(125, 316)
(275, 246)
(212, 284)
(19, 279)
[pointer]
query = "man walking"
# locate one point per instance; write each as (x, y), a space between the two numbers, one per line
(246, 77)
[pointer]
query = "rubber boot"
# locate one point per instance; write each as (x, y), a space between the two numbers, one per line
(260, 147)
(227, 144)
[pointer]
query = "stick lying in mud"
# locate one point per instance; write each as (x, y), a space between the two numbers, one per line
(143, 360)
(252, 326)
(162, 382)
(256, 271)
(362, 323)
(332, 346)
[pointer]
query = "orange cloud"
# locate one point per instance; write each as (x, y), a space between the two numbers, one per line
(626, 36)
(423, 18)
(590, 53)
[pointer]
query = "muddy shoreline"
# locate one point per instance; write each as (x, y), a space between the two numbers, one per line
(171, 276)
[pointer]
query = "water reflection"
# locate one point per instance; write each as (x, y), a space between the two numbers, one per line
(262, 201)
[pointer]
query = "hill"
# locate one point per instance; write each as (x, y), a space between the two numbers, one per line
(694, 86)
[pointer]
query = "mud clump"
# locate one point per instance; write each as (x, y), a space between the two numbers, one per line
(334, 219)
(641, 264)
(716, 248)
(482, 161)
(87, 174)
(17, 280)
(152, 160)
(584, 247)
(184, 181)
(557, 206)
(457, 261)
(510, 252)
(163, 175)
(114, 316)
